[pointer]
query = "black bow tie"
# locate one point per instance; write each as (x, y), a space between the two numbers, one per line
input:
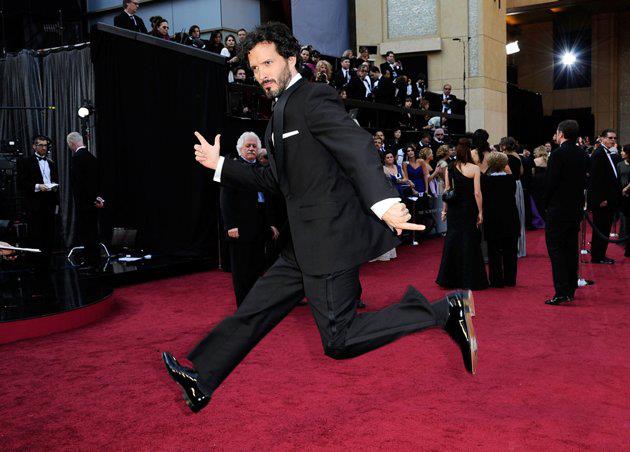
(41, 158)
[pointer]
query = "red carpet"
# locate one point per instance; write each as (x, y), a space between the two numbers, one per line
(549, 377)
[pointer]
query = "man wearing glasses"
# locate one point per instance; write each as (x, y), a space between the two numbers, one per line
(38, 179)
(604, 195)
(128, 19)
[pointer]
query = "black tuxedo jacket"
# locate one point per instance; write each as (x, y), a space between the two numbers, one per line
(330, 175)
(500, 215)
(84, 180)
(29, 174)
(124, 21)
(566, 180)
(356, 89)
(339, 80)
(386, 67)
(384, 92)
(240, 209)
(603, 185)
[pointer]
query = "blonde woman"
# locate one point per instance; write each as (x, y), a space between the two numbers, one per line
(323, 72)
(539, 176)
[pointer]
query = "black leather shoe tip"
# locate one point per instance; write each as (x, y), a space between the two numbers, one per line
(606, 260)
(188, 380)
(459, 326)
(555, 301)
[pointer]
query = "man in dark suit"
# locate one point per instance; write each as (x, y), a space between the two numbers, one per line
(343, 76)
(447, 99)
(604, 196)
(84, 184)
(391, 65)
(128, 19)
(246, 221)
(564, 201)
(38, 177)
(342, 212)
(383, 91)
(360, 87)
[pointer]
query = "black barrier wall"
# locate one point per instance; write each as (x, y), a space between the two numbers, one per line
(151, 96)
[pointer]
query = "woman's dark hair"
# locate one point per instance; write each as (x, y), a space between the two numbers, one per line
(387, 153)
(276, 33)
(228, 37)
(626, 149)
(480, 142)
(214, 34)
(193, 28)
(462, 151)
(509, 143)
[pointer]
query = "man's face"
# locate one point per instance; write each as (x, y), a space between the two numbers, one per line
(361, 73)
(240, 74)
(558, 137)
(249, 150)
(447, 89)
(132, 7)
(548, 147)
(41, 146)
(271, 70)
(378, 142)
(345, 64)
(242, 35)
(391, 58)
(610, 140)
(425, 141)
(374, 75)
(381, 135)
(439, 136)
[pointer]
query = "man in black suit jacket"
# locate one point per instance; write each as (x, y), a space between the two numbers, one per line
(564, 201)
(246, 221)
(128, 19)
(447, 99)
(35, 175)
(391, 65)
(84, 184)
(604, 196)
(360, 87)
(342, 212)
(383, 91)
(343, 76)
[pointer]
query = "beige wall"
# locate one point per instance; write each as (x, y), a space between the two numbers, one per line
(486, 91)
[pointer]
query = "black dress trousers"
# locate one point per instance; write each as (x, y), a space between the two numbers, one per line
(502, 261)
(332, 299)
(562, 246)
(602, 219)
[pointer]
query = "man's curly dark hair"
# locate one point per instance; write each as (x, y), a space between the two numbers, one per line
(277, 33)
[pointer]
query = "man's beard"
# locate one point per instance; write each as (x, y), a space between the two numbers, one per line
(283, 81)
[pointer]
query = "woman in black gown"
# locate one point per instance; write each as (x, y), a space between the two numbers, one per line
(462, 265)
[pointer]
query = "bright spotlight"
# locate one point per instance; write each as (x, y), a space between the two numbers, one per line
(84, 112)
(569, 59)
(512, 47)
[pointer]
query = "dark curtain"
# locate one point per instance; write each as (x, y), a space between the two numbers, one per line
(525, 116)
(150, 98)
(68, 80)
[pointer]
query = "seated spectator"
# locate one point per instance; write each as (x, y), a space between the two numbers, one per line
(159, 28)
(194, 38)
(438, 139)
(383, 89)
(393, 144)
(395, 173)
(324, 72)
(447, 99)
(128, 19)
(360, 87)
(378, 144)
(501, 226)
(423, 122)
(215, 45)
(242, 35)
(315, 56)
(421, 88)
(231, 53)
(344, 74)
(416, 170)
(364, 57)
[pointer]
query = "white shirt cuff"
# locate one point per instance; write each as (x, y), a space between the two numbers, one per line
(37, 188)
(217, 172)
(383, 206)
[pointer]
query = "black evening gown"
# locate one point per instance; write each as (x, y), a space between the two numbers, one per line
(462, 264)
(538, 187)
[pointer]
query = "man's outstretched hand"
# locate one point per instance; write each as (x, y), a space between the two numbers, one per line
(207, 154)
(397, 217)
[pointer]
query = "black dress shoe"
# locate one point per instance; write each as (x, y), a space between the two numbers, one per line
(361, 305)
(459, 326)
(558, 300)
(188, 380)
(605, 260)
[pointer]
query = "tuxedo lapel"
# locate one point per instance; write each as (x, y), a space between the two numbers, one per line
(278, 131)
(271, 149)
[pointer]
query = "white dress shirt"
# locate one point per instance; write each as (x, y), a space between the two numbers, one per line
(378, 208)
(44, 168)
(607, 151)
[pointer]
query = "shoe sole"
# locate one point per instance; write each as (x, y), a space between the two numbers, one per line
(469, 302)
(472, 340)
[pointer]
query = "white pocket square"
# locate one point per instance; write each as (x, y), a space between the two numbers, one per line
(290, 134)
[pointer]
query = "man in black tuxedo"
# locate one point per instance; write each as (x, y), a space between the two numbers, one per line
(564, 201)
(604, 195)
(128, 19)
(391, 65)
(342, 210)
(36, 175)
(84, 184)
(360, 87)
(344, 74)
(447, 99)
(383, 90)
(246, 221)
